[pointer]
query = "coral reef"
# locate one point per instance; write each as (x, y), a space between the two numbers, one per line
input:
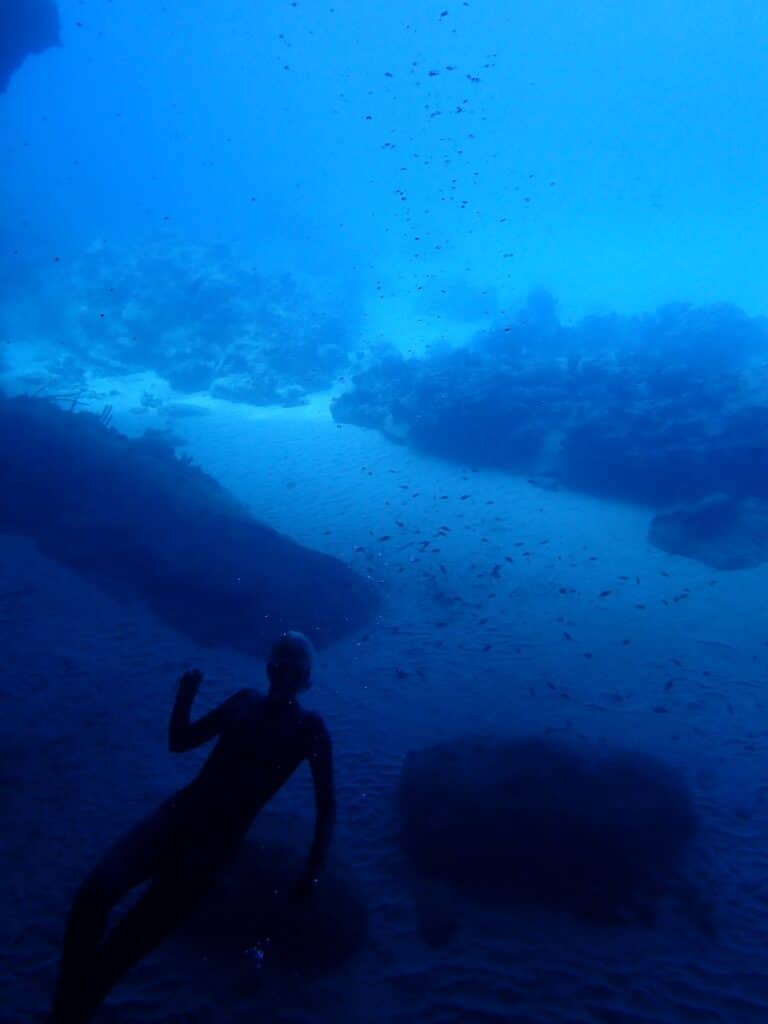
(198, 316)
(659, 409)
(26, 27)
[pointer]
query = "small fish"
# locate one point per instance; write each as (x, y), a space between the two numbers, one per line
(567, 636)
(605, 593)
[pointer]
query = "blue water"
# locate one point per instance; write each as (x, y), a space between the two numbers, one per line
(469, 298)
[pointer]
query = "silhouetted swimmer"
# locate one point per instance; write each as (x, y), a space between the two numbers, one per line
(183, 846)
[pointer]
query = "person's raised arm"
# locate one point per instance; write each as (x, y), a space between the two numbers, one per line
(184, 734)
(321, 765)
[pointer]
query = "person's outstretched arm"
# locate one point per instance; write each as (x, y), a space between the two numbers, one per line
(321, 764)
(182, 733)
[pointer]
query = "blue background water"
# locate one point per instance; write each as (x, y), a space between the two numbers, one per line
(616, 150)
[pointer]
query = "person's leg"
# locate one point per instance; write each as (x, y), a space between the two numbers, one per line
(128, 863)
(157, 913)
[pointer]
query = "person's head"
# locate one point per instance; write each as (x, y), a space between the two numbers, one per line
(289, 666)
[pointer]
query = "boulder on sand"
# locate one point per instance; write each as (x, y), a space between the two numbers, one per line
(133, 516)
(594, 831)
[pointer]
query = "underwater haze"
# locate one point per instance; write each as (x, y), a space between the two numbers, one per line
(436, 334)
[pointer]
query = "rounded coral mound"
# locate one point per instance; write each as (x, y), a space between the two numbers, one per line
(251, 913)
(721, 531)
(594, 831)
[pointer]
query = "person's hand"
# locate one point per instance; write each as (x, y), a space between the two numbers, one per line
(191, 681)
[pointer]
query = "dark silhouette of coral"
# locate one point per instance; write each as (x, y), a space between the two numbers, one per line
(659, 409)
(26, 27)
(721, 531)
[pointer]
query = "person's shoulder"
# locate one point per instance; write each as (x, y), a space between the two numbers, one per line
(312, 719)
(315, 727)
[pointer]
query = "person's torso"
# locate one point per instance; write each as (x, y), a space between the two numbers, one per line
(260, 746)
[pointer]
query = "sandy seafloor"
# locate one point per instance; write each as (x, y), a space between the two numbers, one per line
(87, 683)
